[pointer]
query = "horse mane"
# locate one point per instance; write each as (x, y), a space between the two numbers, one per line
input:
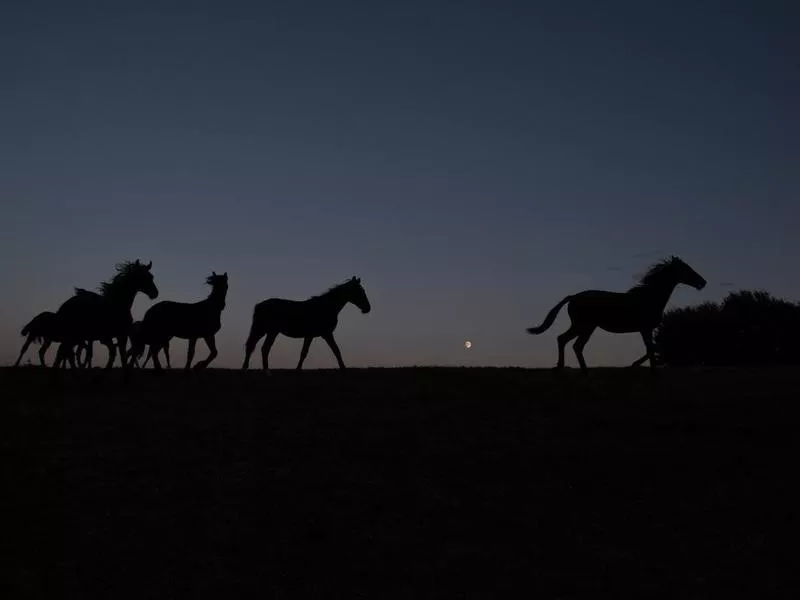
(333, 289)
(124, 270)
(654, 273)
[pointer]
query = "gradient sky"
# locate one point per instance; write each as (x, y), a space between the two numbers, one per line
(473, 162)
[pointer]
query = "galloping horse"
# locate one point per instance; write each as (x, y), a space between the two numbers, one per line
(40, 330)
(307, 319)
(167, 320)
(640, 309)
(106, 316)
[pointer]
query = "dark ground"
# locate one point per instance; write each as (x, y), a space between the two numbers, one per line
(412, 483)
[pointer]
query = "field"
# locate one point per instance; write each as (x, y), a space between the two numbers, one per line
(399, 483)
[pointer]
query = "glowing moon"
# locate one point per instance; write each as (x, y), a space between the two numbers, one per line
(467, 344)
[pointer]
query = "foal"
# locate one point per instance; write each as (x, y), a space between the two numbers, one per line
(41, 330)
(137, 347)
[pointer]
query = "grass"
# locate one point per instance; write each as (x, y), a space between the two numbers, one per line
(398, 483)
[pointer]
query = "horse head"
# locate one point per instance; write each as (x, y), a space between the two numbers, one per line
(685, 274)
(357, 295)
(218, 282)
(141, 278)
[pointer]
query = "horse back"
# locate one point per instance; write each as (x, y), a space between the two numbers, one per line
(40, 325)
(89, 316)
(181, 319)
(616, 312)
(293, 318)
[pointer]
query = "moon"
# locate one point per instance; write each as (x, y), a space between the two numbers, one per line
(467, 344)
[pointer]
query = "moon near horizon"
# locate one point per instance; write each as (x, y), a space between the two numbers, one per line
(467, 345)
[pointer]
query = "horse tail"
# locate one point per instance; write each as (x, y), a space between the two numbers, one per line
(255, 329)
(548, 320)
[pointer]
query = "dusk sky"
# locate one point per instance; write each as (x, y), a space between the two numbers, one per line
(472, 162)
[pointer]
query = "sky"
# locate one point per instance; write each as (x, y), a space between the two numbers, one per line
(472, 162)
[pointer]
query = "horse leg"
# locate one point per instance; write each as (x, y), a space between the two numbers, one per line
(146, 358)
(134, 354)
(328, 337)
(265, 348)
(304, 352)
(153, 353)
(578, 346)
(61, 354)
(43, 351)
(212, 352)
(640, 360)
(165, 348)
(563, 340)
(647, 338)
(25, 346)
(249, 347)
(70, 354)
(190, 352)
(112, 355)
(87, 358)
(122, 342)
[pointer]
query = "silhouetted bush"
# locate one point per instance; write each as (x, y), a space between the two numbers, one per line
(747, 328)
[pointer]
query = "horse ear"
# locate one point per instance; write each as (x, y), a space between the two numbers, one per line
(137, 262)
(213, 273)
(150, 265)
(225, 275)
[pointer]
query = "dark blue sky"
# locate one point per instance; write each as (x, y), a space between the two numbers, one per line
(473, 162)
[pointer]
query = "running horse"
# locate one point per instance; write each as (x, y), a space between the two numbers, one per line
(640, 309)
(105, 316)
(314, 317)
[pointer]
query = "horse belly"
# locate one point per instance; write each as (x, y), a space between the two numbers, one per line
(609, 311)
(296, 330)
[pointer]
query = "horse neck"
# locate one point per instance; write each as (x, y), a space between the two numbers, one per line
(335, 300)
(121, 295)
(658, 293)
(216, 298)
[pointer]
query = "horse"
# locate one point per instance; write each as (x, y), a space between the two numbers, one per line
(137, 347)
(640, 309)
(314, 317)
(89, 316)
(166, 320)
(39, 330)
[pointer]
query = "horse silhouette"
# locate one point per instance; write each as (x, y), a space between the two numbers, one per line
(314, 317)
(106, 317)
(138, 345)
(166, 320)
(40, 330)
(640, 309)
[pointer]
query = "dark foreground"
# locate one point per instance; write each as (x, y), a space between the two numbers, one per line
(413, 483)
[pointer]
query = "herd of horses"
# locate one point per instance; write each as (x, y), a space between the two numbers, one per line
(105, 317)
